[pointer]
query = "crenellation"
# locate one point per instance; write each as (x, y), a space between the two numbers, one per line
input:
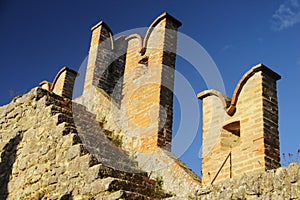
(114, 141)
(63, 83)
(251, 124)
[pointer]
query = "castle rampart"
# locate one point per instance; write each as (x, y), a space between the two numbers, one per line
(241, 135)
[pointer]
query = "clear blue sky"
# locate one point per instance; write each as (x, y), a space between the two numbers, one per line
(37, 38)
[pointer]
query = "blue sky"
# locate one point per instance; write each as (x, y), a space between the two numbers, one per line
(37, 38)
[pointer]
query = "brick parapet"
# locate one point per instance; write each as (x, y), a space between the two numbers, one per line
(63, 83)
(248, 128)
(99, 59)
(148, 84)
(144, 118)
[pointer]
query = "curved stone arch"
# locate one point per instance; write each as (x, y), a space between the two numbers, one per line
(50, 86)
(63, 83)
(136, 36)
(57, 78)
(230, 105)
(260, 67)
(153, 25)
(213, 92)
(45, 85)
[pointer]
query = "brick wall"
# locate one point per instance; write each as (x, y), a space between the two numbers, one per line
(134, 78)
(245, 131)
(131, 94)
(148, 85)
(63, 83)
(105, 68)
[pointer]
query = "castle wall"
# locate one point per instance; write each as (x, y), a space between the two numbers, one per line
(129, 88)
(118, 134)
(63, 83)
(147, 102)
(241, 137)
(282, 183)
(43, 157)
(100, 57)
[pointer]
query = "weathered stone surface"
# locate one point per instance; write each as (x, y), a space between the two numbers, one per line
(128, 91)
(54, 148)
(47, 161)
(282, 183)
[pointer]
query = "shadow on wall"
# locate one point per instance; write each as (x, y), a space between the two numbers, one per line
(8, 157)
(66, 197)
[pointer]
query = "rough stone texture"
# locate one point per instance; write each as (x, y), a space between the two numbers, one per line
(282, 183)
(241, 136)
(55, 148)
(128, 87)
(100, 142)
(42, 156)
(177, 177)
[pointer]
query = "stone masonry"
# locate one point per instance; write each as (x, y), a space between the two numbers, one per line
(114, 141)
(43, 157)
(129, 88)
(282, 183)
(119, 129)
(137, 75)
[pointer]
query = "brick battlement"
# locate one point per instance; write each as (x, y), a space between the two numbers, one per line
(240, 135)
(137, 75)
(129, 83)
(63, 83)
(114, 141)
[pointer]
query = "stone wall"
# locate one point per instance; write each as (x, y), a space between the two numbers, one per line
(177, 177)
(55, 148)
(43, 156)
(282, 183)
(137, 75)
(129, 88)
